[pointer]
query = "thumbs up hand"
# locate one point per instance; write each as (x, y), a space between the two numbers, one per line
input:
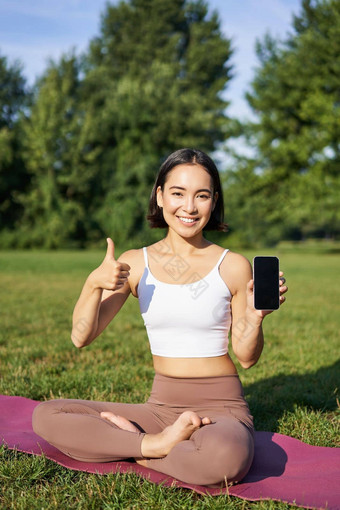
(111, 274)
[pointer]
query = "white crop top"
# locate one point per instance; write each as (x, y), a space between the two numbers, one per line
(190, 320)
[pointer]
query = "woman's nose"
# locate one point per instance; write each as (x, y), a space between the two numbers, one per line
(190, 206)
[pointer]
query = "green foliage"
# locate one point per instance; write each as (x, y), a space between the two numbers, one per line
(292, 185)
(100, 126)
(13, 175)
(153, 82)
(57, 205)
(292, 390)
(78, 158)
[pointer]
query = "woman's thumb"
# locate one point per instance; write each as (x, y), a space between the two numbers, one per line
(110, 251)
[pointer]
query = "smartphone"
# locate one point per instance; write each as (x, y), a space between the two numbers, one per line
(266, 283)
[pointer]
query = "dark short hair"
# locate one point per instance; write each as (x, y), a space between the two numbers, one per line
(182, 157)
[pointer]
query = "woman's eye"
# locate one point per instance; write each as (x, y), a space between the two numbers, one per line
(177, 194)
(203, 196)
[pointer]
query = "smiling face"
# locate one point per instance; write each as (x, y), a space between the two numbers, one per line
(187, 199)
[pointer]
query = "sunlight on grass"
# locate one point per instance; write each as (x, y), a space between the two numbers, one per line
(292, 390)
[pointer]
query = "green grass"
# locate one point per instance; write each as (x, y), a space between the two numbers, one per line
(292, 390)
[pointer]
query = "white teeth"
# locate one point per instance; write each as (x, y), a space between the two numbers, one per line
(187, 220)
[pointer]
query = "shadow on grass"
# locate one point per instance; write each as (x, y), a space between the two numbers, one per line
(270, 398)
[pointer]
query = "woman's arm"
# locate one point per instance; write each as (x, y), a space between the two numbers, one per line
(246, 331)
(104, 293)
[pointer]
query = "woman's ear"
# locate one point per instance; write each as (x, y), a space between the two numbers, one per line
(215, 200)
(159, 196)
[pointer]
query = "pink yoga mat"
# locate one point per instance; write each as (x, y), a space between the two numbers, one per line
(284, 468)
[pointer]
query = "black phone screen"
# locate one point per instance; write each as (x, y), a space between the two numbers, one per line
(266, 283)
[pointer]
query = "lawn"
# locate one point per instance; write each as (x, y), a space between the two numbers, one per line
(292, 389)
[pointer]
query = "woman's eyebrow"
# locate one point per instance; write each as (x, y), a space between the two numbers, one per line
(199, 190)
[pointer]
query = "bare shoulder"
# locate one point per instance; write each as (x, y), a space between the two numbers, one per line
(132, 257)
(236, 271)
(240, 262)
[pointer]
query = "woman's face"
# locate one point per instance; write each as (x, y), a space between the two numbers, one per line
(187, 199)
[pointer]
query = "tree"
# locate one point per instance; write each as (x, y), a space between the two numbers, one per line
(153, 80)
(99, 127)
(295, 184)
(58, 160)
(13, 177)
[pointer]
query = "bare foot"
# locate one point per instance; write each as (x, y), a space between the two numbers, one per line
(120, 421)
(159, 445)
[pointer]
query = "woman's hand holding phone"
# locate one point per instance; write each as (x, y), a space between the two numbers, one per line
(265, 291)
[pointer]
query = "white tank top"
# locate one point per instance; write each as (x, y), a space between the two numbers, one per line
(190, 320)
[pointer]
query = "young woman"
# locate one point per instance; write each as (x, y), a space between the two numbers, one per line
(196, 425)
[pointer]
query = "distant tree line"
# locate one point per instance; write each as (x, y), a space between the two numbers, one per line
(80, 150)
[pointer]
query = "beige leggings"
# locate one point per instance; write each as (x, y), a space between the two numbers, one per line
(215, 454)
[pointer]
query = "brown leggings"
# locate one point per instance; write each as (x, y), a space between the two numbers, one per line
(215, 454)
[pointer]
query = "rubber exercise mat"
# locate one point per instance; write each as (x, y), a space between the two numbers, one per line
(284, 468)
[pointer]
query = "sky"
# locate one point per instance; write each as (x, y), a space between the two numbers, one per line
(33, 31)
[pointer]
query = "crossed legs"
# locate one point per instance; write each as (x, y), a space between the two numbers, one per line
(189, 448)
